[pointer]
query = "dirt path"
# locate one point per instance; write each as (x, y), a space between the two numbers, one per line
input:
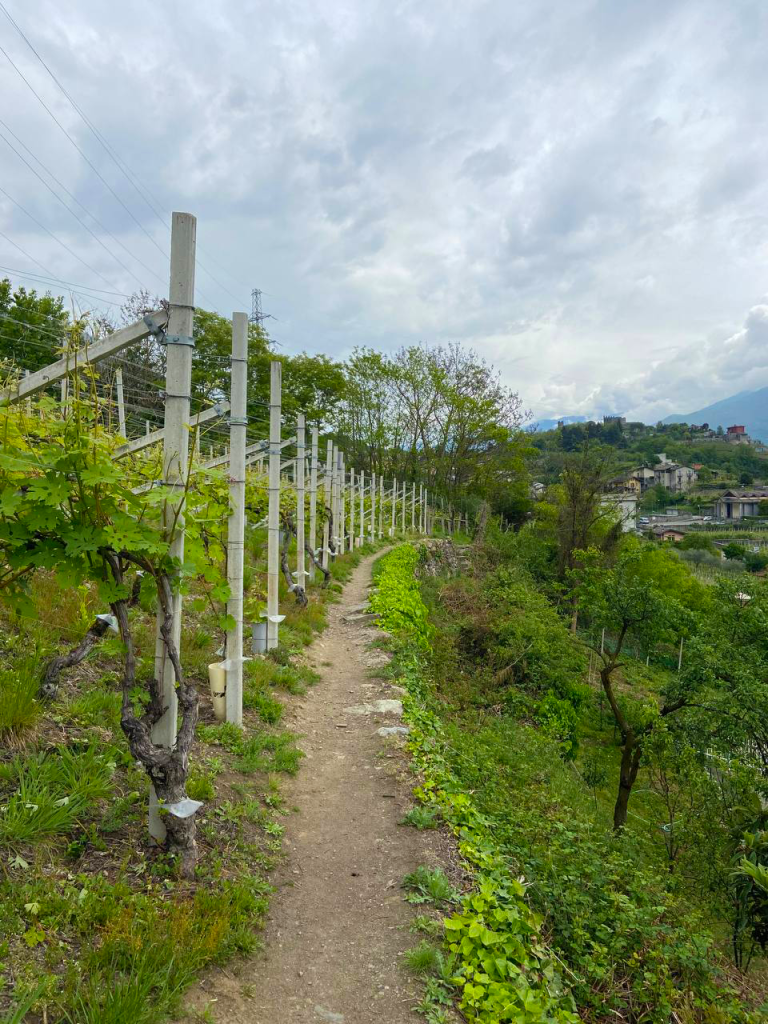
(338, 926)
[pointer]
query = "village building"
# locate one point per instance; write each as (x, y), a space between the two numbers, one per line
(670, 533)
(626, 507)
(737, 504)
(737, 434)
(674, 477)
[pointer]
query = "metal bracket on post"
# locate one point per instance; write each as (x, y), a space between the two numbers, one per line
(178, 339)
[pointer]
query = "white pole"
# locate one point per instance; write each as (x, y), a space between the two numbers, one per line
(236, 527)
(301, 474)
(413, 506)
(394, 505)
(120, 402)
(402, 510)
(362, 507)
(273, 524)
(313, 500)
(352, 539)
(178, 377)
(381, 507)
(342, 504)
(146, 427)
(372, 525)
(327, 502)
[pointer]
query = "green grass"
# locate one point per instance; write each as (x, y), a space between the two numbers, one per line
(20, 709)
(50, 793)
(424, 959)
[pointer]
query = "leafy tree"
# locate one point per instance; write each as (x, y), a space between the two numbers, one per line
(627, 608)
(33, 328)
(734, 550)
(697, 542)
(581, 513)
(746, 479)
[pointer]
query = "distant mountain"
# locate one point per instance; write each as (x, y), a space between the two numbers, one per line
(541, 425)
(747, 407)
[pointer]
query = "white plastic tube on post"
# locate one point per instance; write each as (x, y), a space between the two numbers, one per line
(178, 377)
(301, 474)
(120, 402)
(313, 500)
(238, 425)
(362, 507)
(273, 522)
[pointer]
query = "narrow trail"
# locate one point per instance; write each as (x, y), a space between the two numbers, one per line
(338, 925)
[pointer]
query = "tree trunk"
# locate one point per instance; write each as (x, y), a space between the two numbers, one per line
(630, 765)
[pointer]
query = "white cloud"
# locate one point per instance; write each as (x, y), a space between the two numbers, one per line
(575, 187)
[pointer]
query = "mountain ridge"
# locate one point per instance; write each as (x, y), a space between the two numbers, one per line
(747, 408)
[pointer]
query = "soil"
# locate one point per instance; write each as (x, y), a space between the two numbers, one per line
(338, 925)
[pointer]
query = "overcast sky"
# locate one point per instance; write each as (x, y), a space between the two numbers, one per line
(576, 188)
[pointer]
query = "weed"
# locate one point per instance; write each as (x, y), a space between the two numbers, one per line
(426, 924)
(421, 817)
(201, 639)
(429, 885)
(269, 708)
(423, 959)
(200, 785)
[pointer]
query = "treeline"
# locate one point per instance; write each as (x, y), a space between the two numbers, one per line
(631, 445)
(437, 414)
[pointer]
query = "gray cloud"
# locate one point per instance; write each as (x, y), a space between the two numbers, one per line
(575, 187)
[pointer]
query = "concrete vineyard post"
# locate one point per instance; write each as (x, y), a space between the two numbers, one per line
(273, 522)
(362, 507)
(178, 377)
(352, 538)
(238, 424)
(301, 473)
(120, 402)
(327, 503)
(313, 499)
(393, 509)
(381, 507)
(413, 507)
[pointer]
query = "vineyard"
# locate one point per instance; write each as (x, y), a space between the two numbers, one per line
(134, 570)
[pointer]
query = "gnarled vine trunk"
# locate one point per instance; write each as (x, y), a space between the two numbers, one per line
(167, 767)
(49, 687)
(289, 530)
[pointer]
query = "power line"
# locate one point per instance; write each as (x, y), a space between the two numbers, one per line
(52, 279)
(130, 176)
(54, 237)
(93, 167)
(77, 216)
(74, 199)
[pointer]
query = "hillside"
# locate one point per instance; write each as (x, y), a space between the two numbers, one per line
(747, 407)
